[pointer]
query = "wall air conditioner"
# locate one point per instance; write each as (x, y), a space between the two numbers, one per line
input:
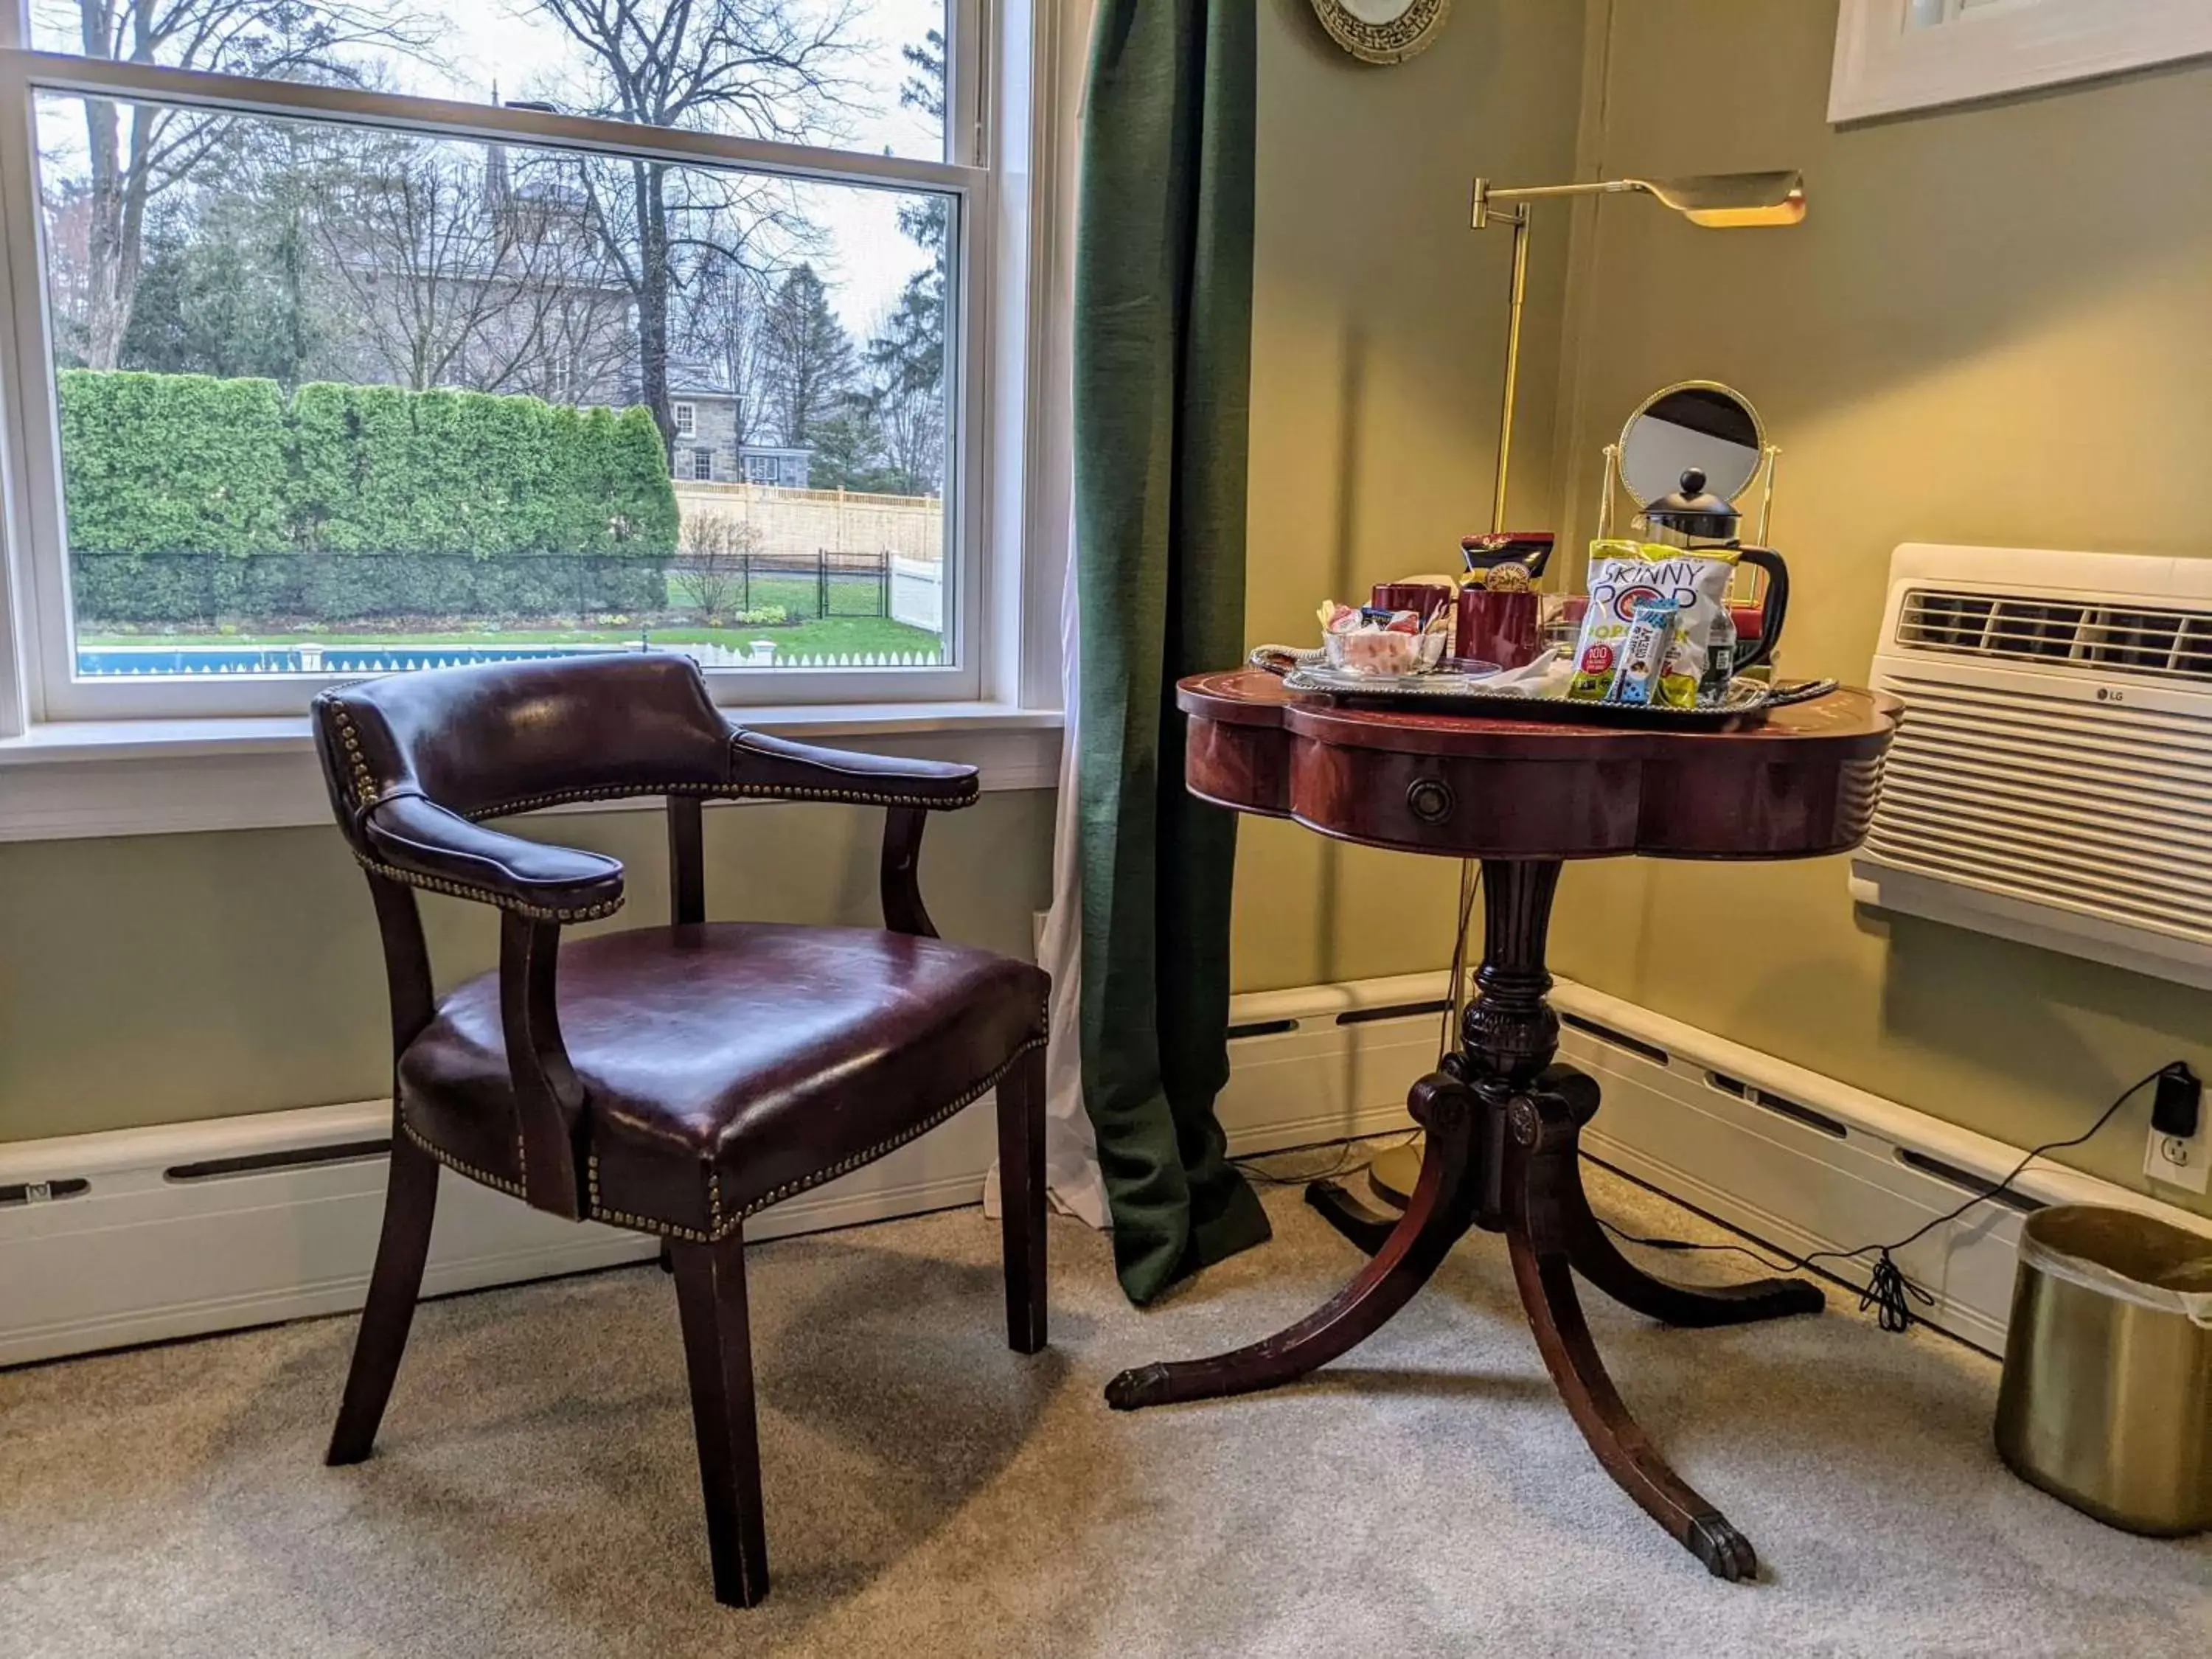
(2053, 780)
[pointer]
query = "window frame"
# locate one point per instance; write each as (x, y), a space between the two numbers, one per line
(1002, 656)
(684, 416)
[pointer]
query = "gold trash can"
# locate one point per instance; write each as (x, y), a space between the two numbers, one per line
(2107, 1396)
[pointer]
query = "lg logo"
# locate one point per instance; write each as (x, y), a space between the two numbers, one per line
(2106, 693)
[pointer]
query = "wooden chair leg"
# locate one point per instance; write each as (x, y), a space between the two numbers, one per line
(710, 1299)
(1022, 1199)
(410, 1202)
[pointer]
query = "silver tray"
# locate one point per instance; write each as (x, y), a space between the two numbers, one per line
(1447, 691)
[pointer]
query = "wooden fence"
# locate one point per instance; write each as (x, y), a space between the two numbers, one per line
(797, 524)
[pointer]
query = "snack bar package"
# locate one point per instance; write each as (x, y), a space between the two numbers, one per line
(1644, 651)
(1625, 574)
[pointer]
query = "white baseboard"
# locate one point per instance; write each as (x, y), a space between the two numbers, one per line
(1787, 1156)
(141, 1256)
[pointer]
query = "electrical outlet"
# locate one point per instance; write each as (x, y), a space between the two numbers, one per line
(2183, 1161)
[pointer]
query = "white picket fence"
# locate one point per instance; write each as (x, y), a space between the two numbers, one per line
(764, 654)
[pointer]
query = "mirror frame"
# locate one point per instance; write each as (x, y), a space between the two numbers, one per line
(1758, 430)
(1409, 34)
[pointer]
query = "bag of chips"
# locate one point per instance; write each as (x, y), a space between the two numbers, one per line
(1623, 575)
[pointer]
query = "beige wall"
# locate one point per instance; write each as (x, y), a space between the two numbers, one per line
(168, 977)
(165, 978)
(1994, 326)
(1378, 345)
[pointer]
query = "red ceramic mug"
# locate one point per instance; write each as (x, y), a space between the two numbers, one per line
(1426, 599)
(1505, 628)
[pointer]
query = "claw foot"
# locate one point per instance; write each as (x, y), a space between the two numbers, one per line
(1726, 1552)
(1138, 1388)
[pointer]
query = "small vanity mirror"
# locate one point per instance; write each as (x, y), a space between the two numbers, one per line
(1700, 426)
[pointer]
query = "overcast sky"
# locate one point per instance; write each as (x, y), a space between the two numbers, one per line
(510, 43)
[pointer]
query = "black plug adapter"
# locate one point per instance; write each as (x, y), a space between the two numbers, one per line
(2180, 1104)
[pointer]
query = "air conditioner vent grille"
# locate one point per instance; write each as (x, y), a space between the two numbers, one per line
(2171, 643)
(2091, 809)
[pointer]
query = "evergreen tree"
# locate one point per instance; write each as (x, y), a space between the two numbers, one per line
(848, 454)
(805, 366)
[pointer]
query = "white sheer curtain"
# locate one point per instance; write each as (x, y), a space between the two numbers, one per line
(1071, 1151)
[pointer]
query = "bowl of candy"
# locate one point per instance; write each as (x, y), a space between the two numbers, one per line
(1380, 644)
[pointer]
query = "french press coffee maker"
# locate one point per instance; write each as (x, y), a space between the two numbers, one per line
(1692, 520)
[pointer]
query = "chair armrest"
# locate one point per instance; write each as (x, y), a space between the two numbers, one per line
(415, 840)
(776, 768)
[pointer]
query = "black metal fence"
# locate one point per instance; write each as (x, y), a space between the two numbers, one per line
(208, 589)
(828, 584)
(211, 589)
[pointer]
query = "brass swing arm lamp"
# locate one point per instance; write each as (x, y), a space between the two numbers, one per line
(1717, 201)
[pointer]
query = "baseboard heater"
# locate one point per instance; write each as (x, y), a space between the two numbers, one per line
(141, 1234)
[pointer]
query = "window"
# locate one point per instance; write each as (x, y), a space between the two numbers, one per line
(315, 376)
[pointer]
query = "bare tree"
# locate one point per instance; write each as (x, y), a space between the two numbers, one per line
(456, 274)
(765, 69)
(719, 327)
(712, 551)
(137, 152)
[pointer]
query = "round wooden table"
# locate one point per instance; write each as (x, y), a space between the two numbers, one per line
(1503, 1121)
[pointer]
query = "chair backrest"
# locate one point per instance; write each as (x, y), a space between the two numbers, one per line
(513, 736)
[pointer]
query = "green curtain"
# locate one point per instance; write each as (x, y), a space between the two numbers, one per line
(1162, 357)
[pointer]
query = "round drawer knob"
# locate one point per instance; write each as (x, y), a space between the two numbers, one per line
(1430, 799)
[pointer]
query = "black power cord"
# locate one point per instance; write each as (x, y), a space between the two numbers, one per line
(1889, 1292)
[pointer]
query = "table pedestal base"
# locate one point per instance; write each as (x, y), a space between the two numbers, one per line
(1503, 1126)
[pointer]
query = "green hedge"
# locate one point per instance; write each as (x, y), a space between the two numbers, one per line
(356, 501)
(175, 463)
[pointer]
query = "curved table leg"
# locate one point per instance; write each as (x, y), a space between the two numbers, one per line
(1368, 1228)
(1442, 1209)
(1600, 1261)
(1542, 1194)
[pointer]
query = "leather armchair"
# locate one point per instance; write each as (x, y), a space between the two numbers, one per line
(672, 1080)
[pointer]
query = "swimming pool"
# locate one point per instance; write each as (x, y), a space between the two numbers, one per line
(109, 661)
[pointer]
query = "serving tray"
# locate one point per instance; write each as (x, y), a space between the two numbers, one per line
(1447, 692)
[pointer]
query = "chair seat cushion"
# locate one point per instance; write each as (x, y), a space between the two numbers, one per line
(723, 1066)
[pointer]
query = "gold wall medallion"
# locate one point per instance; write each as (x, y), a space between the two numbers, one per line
(1383, 30)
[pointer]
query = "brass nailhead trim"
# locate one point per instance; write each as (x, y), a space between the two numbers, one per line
(724, 1226)
(485, 895)
(717, 791)
(876, 1151)
(459, 1167)
(364, 782)
(367, 794)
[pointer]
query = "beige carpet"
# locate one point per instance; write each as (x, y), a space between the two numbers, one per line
(930, 1493)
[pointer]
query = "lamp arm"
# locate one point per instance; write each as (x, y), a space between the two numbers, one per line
(1487, 194)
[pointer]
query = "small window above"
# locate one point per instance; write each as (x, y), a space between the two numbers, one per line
(687, 419)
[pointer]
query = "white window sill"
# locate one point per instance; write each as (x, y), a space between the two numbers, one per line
(73, 779)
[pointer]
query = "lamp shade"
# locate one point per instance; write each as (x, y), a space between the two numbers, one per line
(1732, 201)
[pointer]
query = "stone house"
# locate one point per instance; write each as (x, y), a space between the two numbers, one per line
(705, 448)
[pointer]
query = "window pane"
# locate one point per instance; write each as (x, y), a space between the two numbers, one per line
(864, 74)
(356, 398)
